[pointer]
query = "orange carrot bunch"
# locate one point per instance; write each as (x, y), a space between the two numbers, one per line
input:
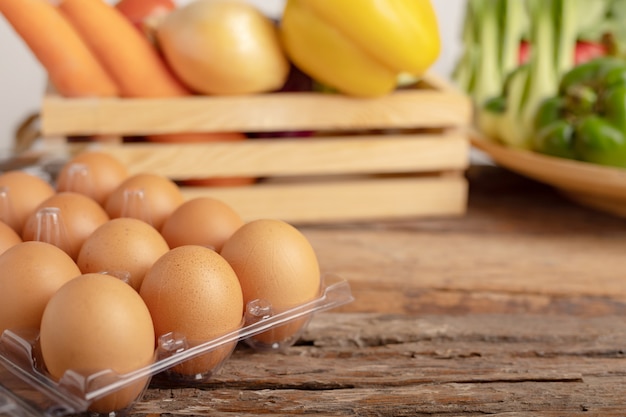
(72, 67)
(126, 54)
(92, 49)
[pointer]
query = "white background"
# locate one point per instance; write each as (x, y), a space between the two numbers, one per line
(22, 78)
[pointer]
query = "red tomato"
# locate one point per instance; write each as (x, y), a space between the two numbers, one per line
(524, 52)
(138, 11)
(585, 51)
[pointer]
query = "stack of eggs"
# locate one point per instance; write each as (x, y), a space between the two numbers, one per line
(106, 265)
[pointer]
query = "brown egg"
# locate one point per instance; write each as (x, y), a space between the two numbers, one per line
(93, 173)
(122, 245)
(65, 219)
(147, 197)
(192, 291)
(20, 194)
(31, 273)
(203, 221)
(8, 237)
(276, 263)
(97, 322)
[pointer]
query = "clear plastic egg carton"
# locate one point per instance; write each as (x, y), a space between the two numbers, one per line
(27, 390)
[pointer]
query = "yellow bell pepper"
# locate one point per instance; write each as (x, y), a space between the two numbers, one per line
(361, 47)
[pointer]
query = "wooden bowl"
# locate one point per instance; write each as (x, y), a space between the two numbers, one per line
(595, 186)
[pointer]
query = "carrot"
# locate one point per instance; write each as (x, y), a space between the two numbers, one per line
(128, 56)
(71, 66)
(125, 53)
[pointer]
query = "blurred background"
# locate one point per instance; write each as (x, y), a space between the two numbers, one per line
(22, 79)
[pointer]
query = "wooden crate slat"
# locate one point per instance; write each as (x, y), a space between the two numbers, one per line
(396, 156)
(288, 157)
(255, 113)
(345, 200)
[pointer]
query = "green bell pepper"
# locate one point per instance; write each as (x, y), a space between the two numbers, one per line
(586, 120)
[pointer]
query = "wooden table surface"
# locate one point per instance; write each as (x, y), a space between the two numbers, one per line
(515, 309)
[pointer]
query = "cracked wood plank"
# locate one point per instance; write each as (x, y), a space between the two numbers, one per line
(399, 365)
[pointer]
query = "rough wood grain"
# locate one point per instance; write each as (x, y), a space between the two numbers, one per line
(399, 365)
(521, 247)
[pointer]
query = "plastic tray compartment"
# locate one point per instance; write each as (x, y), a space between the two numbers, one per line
(27, 390)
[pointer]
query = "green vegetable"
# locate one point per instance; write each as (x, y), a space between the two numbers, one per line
(557, 140)
(492, 32)
(586, 119)
(552, 32)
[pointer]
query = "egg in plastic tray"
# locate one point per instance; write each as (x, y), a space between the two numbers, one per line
(26, 389)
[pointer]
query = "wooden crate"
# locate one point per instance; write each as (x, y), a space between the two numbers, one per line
(410, 163)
